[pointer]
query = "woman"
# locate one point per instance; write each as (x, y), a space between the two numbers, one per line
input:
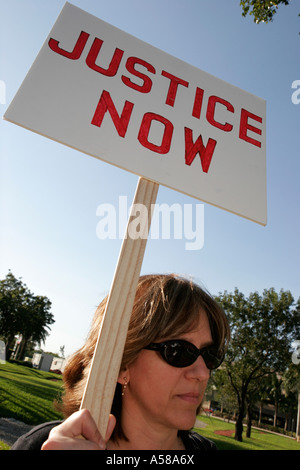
(177, 335)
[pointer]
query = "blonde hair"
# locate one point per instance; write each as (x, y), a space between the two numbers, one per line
(165, 306)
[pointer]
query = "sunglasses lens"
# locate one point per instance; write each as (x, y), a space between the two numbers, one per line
(180, 354)
(212, 358)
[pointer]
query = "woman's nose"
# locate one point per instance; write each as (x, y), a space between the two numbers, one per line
(198, 370)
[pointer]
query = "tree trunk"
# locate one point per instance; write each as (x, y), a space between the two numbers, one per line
(286, 420)
(239, 429)
(10, 346)
(21, 351)
(275, 415)
(239, 422)
(249, 421)
(240, 416)
(260, 413)
(298, 420)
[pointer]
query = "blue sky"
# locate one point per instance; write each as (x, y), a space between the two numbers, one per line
(49, 193)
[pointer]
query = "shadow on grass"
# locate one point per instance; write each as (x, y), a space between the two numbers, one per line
(44, 389)
(28, 404)
(15, 370)
(223, 445)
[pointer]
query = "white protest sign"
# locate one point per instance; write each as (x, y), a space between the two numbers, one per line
(107, 94)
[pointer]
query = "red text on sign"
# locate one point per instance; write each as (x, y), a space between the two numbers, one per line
(133, 65)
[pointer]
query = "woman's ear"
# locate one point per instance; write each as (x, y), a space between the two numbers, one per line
(124, 376)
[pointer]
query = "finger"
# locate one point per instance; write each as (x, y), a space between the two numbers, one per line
(110, 427)
(81, 423)
(78, 424)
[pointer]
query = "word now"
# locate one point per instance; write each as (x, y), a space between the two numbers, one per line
(168, 222)
(144, 84)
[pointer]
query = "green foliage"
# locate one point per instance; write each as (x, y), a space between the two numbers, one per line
(263, 329)
(22, 313)
(262, 10)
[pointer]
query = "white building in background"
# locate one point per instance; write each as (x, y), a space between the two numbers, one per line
(58, 363)
(47, 362)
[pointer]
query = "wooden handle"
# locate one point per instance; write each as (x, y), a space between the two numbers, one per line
(102, 379)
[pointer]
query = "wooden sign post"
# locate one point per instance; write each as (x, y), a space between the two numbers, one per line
(107, 94)
(108, 353)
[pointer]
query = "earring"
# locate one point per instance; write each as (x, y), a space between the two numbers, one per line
(124, 386)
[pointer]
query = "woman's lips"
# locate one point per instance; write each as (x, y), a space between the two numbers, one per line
(193, 398)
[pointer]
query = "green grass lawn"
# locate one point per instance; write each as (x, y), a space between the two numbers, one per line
(259, 440)
(27, 394)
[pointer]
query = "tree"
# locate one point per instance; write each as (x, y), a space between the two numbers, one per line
(262, 10)
(36, 321)
(291, 381)
(12, 295)
(256, 389)
(262, 329)
(224, 392)
(22, 313)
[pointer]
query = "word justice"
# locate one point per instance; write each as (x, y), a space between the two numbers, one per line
(121, 121)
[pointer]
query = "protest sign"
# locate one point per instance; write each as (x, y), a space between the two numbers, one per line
(109, 95)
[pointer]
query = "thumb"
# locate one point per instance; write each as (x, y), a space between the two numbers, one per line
(110, 427)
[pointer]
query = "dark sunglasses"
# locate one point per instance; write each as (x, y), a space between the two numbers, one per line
(181, 353)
